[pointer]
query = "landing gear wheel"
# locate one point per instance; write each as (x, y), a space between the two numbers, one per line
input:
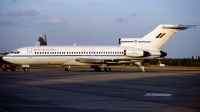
(12, 69)
(25, 69)
(107, 69)
(66, 69)
(97, 69)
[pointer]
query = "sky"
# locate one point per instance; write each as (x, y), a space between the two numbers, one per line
(97, 22)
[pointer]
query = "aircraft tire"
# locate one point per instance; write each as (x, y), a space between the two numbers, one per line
(97, 69)
(12, 69)
(25, 69)
(66, 69)
(107, 69)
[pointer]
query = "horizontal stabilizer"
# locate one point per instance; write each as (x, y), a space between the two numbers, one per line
(181, 27)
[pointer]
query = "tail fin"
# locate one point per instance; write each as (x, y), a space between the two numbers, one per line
(156, 39)
(42, 41)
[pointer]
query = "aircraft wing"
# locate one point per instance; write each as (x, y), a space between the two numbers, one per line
(103, 61)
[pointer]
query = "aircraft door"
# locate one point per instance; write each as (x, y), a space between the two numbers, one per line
(29, 52)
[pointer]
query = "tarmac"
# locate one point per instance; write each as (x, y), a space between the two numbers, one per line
(83, 90)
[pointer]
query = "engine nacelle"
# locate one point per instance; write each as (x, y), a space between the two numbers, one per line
(136, 53)
(158, 53)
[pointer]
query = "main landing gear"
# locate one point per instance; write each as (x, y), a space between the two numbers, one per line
(98, 69)
(107, 69)
(66, 68)
(25, 69)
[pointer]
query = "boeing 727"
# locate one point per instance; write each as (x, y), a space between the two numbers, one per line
(129, 51)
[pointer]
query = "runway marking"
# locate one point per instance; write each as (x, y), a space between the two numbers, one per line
(158, 94)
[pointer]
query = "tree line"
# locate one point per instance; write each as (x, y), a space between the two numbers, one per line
(193, 61)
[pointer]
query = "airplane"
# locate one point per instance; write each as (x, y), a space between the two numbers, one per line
(129, 51)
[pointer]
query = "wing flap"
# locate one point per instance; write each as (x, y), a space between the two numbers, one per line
(104, 61)
(88, 60)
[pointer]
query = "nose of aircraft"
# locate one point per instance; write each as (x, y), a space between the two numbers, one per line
(6, 58)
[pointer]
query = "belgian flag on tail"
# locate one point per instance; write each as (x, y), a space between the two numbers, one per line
(160, 35)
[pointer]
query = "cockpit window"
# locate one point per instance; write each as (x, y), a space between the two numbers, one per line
(15, 52)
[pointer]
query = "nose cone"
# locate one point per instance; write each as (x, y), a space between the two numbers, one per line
(4, 58)
(7, 58)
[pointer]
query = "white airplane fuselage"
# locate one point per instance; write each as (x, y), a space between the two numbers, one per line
(67, 55)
